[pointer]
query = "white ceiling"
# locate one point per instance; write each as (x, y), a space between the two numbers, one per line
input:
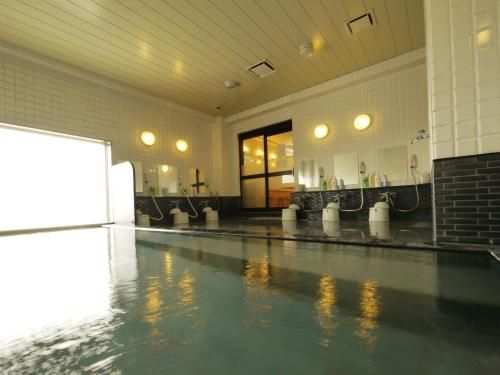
(184, 50)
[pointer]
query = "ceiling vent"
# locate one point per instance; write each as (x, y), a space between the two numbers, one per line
(363, 22)
(262, 69)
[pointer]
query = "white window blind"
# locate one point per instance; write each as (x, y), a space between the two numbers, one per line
(51, 180)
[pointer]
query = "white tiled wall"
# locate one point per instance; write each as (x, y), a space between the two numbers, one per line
(394, 92)
(45, 94)
(463, 49)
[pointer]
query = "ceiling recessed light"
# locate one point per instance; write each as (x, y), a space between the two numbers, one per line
(230, 84)
(306, 50)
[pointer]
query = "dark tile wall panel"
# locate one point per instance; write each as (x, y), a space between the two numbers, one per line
(406, 198)
(229, 206)
(467, 199)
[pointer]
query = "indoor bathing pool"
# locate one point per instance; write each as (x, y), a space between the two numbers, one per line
(119, 301)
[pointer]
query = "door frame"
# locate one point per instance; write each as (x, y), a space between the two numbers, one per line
(266, 131)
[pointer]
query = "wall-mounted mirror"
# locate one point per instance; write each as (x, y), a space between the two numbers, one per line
(393, 162)
(167, 179)
(309, 173)
(197, 182)
(159, 180)
(346, 167)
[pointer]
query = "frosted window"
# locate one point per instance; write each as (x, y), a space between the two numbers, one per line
(51, 180)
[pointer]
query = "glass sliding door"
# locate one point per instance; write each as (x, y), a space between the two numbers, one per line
(266, 167)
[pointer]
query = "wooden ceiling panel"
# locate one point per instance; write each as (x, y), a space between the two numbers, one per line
(398, 19)
(184, 50)
(382, 32)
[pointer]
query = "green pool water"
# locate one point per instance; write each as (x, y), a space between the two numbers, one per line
(116, 301)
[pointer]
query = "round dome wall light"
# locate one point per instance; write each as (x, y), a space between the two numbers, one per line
(321, 131)
(164, 168)
(181, 145)
(363, 121)
(148, 138)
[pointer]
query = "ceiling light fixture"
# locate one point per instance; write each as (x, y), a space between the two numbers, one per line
(230, 84)
(306, 50)
(321, 131)
(148, 138)
(363, 121)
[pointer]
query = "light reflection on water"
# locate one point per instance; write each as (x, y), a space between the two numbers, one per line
(192, 310)
(370, 309)
(256, 278)
(57, 316)
(325, 305)
(168, 263)
(154, 302)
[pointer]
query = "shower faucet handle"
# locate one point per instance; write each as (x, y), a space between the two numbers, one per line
(337, 197)
(387, 195)
(174, 203)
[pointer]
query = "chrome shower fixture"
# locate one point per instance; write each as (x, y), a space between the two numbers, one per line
(422, 134)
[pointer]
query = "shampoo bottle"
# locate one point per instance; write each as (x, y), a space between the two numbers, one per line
(324, 185)
(341, 184)
(371, 180)
(385, 181)
(377, 180)
(335, 186)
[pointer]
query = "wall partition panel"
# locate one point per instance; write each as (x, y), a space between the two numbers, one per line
(51, 180)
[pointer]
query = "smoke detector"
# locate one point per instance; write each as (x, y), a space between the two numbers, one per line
(306, 50)
(262, 69)
(230, 84)
(360, 23)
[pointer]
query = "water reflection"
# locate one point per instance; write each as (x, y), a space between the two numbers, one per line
(257, 271)
(60, 311)
(370, 310)
(256, 278)
(331, 228)
(154, 301)
(380, 230)
(325, 304)
(289, 227)
(187, 291)
(168, 264)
